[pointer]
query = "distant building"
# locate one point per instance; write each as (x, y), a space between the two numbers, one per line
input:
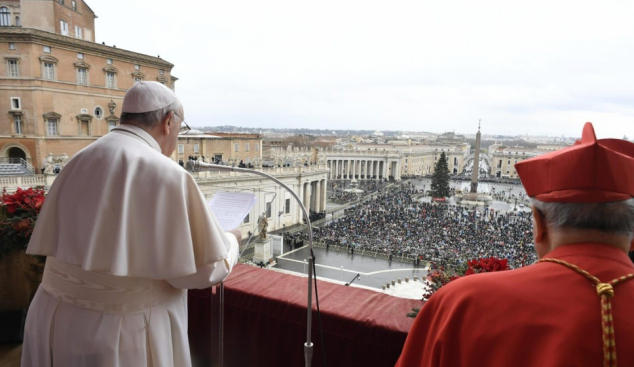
(379, 161)
(229, 148)
(503, 159)
(59, 90)
(450, 137)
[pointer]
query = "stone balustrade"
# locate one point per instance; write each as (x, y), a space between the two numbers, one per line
(11, 183)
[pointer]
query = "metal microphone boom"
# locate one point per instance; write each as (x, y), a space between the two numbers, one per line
(198, 166)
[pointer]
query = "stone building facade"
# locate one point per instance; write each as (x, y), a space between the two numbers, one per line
(503, 159)
(370, 161)
(59, 90)
(308, 182)
(223, 147)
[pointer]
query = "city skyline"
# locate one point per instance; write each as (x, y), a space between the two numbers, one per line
(538, 69)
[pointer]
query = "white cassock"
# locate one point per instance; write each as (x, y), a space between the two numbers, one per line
(126, 231)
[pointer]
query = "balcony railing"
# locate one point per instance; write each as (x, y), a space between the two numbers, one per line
(265, 322)
(11, 183)
(26, 163)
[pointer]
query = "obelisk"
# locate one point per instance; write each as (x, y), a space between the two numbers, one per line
(476, 163)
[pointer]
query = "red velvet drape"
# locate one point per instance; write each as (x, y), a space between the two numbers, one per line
(265, 322)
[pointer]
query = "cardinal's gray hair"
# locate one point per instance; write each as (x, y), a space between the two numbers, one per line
(612, 217)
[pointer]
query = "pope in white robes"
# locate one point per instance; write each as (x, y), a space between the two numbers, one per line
(126, 231)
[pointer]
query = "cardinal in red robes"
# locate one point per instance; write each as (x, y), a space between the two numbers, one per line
(571, 308)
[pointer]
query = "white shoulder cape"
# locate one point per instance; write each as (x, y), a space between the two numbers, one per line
(121, 207)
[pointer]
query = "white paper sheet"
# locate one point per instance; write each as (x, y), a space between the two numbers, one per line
(230, 208)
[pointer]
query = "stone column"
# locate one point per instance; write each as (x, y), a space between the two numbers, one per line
(300, 194)
(354, 169)
(333, 174)
(307, 195)
(324, 193)
(334, 170)
(317, 196)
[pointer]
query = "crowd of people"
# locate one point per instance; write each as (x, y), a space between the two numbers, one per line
(315, 216)
(340, 196)
(394, 223)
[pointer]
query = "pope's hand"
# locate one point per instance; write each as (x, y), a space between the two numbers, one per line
(238, 234)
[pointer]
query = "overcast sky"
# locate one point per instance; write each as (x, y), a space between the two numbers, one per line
(523, 67)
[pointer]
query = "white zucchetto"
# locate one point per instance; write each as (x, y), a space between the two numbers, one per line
(147, 96)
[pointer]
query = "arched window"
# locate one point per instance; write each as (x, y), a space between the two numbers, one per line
(17, 22)
(5, 20)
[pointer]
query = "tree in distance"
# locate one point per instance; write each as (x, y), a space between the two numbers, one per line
(440, 178)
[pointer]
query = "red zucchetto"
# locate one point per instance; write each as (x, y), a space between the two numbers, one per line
(591, 171)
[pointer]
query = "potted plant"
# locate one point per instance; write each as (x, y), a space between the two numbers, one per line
(20, 274)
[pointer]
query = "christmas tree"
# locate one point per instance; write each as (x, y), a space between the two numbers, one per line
(440, 178)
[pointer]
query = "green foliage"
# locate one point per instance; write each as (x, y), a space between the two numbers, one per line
(440, 178)
(413, 314)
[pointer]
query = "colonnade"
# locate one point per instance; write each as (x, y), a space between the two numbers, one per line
(362, 169)
(313, 196)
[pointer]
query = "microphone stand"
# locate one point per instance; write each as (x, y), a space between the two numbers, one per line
(198, 166)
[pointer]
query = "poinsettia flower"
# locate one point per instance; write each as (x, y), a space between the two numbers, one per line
(11, 208)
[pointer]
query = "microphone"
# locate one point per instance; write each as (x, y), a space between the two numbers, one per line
(198, 166)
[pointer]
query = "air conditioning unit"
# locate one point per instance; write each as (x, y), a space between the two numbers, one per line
(84, 110)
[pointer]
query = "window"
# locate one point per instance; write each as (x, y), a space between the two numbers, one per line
(17, 124)
(137, 79)
(98, 112)
(137, 67)
(236, 147)
(13, 69)
(111, 125)
(48, 71)
(268, 209)
(61, 2)
(246, 147)
(196, 148)
(287, 206)
(15, 103)
(11, 46)
(63, 28)
(78, 32)
(82, 76)
(161, 72)
(181, 149)
(18, 23)
(47, 49)
(257, 147)
(246, 219)
(74, 5)
(51, 127)
(109, 80)
(5, 20)
(80, 55)
(109, 61)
